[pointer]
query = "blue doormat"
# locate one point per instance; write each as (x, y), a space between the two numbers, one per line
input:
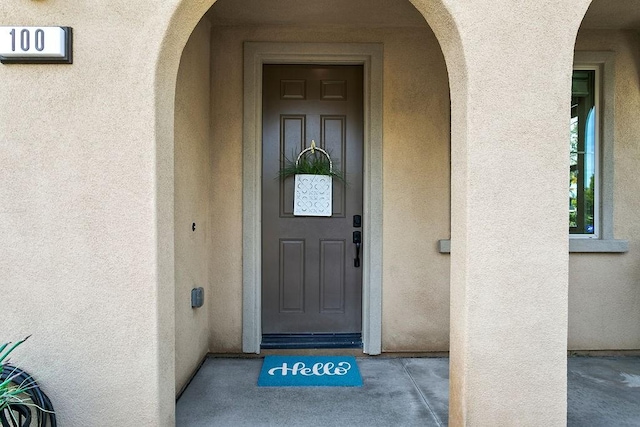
(310, 371)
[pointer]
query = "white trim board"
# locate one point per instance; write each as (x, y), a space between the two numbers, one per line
(370, 56)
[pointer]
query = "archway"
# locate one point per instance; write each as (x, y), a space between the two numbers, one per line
(602, 275)
(481, 191)
(183, 21)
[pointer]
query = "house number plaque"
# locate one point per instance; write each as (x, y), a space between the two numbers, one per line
(40, 45)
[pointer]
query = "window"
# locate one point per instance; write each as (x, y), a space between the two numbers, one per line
(584, 168)
(591, 143)
(592, 147)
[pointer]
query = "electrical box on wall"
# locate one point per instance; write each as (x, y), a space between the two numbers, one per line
(197, 297)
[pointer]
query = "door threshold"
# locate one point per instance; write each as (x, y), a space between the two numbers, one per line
(312, 340)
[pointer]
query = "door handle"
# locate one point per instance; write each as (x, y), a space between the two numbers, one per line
(357, 239)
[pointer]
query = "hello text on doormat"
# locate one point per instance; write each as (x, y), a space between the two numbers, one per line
(310, 371)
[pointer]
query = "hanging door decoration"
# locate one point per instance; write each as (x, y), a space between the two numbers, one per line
(313, 192)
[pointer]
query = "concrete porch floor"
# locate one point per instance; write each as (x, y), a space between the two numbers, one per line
(603, 391)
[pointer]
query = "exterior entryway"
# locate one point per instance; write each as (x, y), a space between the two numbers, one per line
(311, 267)
(396, 391)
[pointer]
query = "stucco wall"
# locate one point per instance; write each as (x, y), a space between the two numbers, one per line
(415, 285)
(416, 181)
(87, 256)
(604, 289)
(83, 258)
(604, 292)
(225, 300)
(192, 174)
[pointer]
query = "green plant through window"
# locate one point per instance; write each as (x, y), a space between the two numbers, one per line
(582, 169)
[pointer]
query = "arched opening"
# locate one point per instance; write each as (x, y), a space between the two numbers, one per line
(414, 123)
(509, 284)
(603, 275)
(146, 133)
(603, 315)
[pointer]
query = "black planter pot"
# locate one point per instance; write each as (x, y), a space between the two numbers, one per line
(23, 414)
(16, 416)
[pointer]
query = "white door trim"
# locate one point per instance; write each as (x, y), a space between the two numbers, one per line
(370, 56)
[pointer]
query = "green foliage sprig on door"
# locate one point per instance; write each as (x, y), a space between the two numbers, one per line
(315, 163)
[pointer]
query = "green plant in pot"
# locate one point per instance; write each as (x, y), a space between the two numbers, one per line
(20, 395)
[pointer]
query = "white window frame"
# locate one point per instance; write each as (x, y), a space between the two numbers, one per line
(597, 207)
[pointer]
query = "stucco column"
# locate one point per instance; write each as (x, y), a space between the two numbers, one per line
(509, 260)
(86, 216)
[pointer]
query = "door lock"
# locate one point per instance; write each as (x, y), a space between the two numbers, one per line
(357, 239)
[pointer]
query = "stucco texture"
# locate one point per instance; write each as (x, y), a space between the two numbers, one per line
(604, 289)
(192, 173)
(89, 226)
(509, 297)
(79, 216)
(416, 181)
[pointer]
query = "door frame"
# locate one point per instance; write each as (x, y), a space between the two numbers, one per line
(369, 55)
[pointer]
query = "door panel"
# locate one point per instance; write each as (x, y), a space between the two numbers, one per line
(332, 268)
(333, 133)
(291, 289)
(292, 131)
(309, 281)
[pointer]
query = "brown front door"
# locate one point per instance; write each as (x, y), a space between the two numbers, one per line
(310, 283)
